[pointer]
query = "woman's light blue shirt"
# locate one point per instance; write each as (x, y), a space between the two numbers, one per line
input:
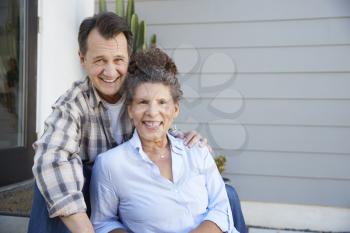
(127, 191)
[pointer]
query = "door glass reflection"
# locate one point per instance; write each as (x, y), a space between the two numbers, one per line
(11, 73)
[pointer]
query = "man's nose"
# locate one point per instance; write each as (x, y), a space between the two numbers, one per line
(110, 70)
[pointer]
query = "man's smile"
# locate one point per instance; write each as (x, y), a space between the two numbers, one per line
(109, 80)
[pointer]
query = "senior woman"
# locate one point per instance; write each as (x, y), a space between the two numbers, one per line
(152, 182)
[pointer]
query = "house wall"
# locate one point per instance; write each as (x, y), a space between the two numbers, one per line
(58, 60)
(267, 82)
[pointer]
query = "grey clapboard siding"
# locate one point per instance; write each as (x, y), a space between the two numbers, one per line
(289, 164)
(280, 59)
(268, 83)
(281, 85)
(204, 11)
(275, 137)
(256, 34)
(310, 191)
(268, 111)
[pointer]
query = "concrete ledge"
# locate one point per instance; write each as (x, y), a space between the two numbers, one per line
(16, 199)
(297, 217)
(10, 224)
(16, 185)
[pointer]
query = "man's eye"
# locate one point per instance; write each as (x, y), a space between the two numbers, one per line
(99, 62)
(119, 60)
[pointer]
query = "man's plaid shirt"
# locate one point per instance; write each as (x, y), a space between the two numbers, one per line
(77, 130)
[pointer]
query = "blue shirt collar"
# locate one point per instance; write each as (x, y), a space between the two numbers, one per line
(176, 144)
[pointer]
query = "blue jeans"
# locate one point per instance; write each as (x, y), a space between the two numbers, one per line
(237, 214)
(41, 223)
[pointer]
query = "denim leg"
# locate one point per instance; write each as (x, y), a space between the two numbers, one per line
(237, 214)
(39, 217)
(87, 170)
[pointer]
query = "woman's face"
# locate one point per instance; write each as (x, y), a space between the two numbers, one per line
(152, 111)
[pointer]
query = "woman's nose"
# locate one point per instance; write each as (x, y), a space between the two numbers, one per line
(152, 109)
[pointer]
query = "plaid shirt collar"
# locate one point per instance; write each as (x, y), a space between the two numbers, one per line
(94, 98)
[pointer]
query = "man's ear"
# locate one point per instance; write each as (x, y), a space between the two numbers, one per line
(81, 57)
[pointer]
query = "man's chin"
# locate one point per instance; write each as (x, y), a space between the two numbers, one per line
(109, 96)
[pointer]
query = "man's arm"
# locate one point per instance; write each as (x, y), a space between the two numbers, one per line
(57, 165)
(78, 223)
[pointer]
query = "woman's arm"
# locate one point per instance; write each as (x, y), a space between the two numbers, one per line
(118, 231)
(219, 211)
(104, 199)
(207, 227)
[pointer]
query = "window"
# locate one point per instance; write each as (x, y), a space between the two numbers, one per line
(18, 38)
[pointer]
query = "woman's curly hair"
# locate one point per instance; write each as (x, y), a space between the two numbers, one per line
(152, 66)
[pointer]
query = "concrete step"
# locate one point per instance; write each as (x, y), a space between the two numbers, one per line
(13, 224)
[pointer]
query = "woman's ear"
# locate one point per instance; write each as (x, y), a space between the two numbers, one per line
(129, 112)
(177, 109)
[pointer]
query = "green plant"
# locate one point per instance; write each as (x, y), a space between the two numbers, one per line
(119, 8)
(138, 28)
(220, 162)
(102, 5)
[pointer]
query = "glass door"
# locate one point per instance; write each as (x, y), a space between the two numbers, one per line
(18, 33)
(12, 33)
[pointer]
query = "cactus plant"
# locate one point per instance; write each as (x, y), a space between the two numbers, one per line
(153, 41)
(130, 10)
(134, 29)
(119, 7)
(138, 29)
(102, 5)
(141, 34)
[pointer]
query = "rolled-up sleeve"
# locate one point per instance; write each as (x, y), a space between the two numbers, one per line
(219, 210)
(104, 200)
(57, 165)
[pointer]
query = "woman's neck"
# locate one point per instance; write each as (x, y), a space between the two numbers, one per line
(155, 146)
(160, 153)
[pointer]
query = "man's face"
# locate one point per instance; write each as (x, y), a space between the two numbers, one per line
(106, 62)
